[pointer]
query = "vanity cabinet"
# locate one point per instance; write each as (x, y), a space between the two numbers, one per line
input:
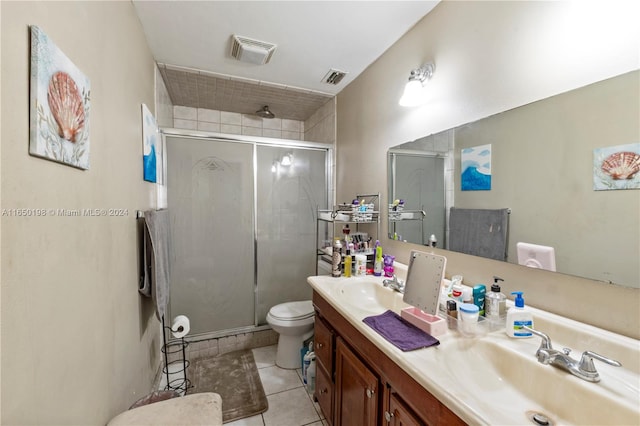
(324, 342)
(357, 384)
(397, 413)
(357, 389)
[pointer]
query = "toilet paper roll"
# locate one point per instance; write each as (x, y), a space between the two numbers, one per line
(180, 326)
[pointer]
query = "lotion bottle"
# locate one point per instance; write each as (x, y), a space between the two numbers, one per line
(517, 317)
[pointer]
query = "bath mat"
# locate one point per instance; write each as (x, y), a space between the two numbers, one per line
(405, 336)
(234, 376)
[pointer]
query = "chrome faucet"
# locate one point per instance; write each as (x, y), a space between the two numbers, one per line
(583, 368)
(394, 284)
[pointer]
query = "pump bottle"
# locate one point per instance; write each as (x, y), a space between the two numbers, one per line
(517, 317)
(496, 303)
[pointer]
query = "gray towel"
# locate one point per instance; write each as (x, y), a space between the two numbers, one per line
(156, 272)
(480, 232)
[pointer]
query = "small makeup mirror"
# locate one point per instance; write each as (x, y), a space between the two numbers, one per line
(424, 276)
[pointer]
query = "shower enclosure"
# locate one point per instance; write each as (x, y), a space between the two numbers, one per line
(242, 226)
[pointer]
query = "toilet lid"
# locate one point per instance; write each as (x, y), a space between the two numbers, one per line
(292, 310)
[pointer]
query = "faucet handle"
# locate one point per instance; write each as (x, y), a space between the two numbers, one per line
(545, 343)
(586, 362)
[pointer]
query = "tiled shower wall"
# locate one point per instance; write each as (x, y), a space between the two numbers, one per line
(210, 120)
(321, 126)
(164, 106)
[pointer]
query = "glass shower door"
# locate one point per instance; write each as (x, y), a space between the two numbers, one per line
(210, 187)
(288, 197)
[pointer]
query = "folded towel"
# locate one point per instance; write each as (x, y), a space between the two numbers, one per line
(400, 333)
(157, 227)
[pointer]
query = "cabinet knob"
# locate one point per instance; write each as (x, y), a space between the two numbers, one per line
(323, 391)
(319, 345)
(388, 416)
(370, 393)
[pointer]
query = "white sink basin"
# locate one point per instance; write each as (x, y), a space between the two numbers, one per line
(506, 375)
(369, 296)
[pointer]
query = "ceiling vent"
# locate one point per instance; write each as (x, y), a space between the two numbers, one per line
(252, 51)
(333, 77)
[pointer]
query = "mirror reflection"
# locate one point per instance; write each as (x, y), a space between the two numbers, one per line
(544, 170)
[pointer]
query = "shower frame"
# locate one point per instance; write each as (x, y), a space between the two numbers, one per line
(255, 141)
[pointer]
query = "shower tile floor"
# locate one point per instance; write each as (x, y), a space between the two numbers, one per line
(289, 402)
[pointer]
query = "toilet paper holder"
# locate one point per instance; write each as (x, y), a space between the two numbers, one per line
(175, 366)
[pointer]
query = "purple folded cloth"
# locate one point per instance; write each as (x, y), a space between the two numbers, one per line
(403, 335)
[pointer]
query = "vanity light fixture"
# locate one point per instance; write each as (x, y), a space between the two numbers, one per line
(414, 89)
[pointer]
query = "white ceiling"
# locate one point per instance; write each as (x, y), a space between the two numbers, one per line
(311, 36)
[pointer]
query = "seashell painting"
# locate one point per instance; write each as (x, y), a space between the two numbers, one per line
(66, 105)
(617, 167)
(60, 101)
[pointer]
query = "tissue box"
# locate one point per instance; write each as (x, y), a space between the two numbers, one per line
(432, 324)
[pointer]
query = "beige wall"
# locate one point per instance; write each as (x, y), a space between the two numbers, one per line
(79, 343)
(490, 57)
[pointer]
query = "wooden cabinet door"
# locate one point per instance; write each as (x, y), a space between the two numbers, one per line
(323, 344)
(324, 393)
(356, 390)
(399, 414)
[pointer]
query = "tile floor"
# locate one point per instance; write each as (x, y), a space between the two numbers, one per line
(289, 402)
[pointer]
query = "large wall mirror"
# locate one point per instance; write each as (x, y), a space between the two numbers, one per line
(543, 168)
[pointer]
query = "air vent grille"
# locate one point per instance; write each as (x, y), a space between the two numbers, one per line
(253, 51)
(333, 76)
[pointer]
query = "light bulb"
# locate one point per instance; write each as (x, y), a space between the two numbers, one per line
(414, 94)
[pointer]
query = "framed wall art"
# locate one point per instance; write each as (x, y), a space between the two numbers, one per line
(59, 105)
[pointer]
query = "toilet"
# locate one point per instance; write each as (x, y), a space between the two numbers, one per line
(293, 321)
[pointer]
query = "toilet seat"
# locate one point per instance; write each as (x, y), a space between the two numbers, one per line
(292, 311)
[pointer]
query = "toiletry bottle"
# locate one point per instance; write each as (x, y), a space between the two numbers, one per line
(387, 259)
(467, 294)
(345, 233)
(306, 361)
(336, 259)
(347, 262)
(377, 263)
(452, 314)
(311, 374)
(433, 241)
(479, 291)
(496, 304)
(456, 292)
(517, 317)
(361, 265)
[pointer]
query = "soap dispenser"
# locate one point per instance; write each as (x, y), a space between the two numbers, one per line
(517, 317)
(496, 304)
